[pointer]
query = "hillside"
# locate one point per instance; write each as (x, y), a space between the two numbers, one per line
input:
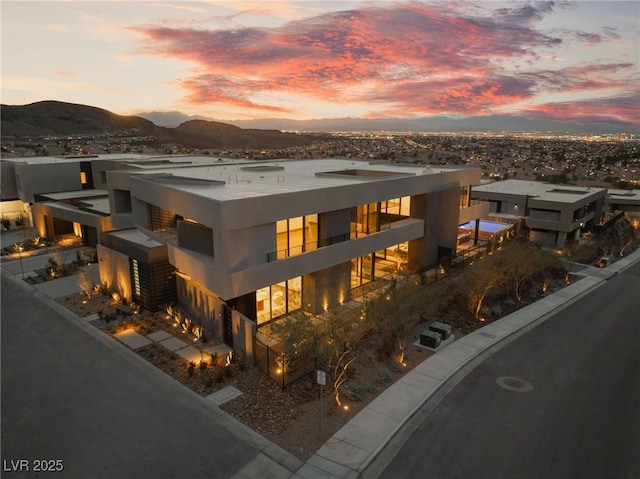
(51, 118)
(58, 118)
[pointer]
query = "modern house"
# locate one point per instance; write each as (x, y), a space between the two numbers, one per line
(237, 245)
(65, 196)
(627, 201)
(58, 195)
(552, 213)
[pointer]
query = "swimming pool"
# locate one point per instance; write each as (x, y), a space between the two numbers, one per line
(486, 226)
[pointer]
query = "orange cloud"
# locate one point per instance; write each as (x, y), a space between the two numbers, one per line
(411, 59)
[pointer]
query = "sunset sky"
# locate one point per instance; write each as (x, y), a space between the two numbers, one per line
(303, 59)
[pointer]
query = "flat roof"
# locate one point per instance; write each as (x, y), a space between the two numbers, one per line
(40, 160)
(540, 190)
(77, 194)
(225, 181)
(627, 194)
(135, 236)
(136, 159)
(98, 206)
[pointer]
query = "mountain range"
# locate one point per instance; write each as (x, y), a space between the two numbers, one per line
(433, 124)
(46, 118)
(54, 118)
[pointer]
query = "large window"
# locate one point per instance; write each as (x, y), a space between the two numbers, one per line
(278, 299)
(465, 193)
(296, 235)
(364, 220)
(396, 206)
(362, 269)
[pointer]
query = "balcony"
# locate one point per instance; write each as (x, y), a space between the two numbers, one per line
(361, 243)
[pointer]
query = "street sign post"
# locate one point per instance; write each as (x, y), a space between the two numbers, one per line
(321, 380)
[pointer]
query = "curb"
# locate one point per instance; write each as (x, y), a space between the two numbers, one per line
(323, 463)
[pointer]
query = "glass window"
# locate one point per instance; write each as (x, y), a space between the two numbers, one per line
(282, 239)
(464, 196)
(311, 232)
(294, 294)
(136, 277)
(278, 299)
(263, 305)
(405, 206)
(296, 235)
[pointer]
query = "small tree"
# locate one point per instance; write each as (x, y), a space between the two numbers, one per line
(84, 282)
(478, 280)
(56, 262)
(297, 337)
(338, 337)
(522, 261)
(403, 325)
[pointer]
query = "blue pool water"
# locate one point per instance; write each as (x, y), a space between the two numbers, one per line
(486, 226)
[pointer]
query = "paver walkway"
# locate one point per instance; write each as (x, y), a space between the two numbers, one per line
(183, 349)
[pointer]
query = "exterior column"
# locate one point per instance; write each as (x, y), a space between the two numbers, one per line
(327, 288)
(561, 239)
(440, 211)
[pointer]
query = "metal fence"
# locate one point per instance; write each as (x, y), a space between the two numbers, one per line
(473, 253)
(280, 367)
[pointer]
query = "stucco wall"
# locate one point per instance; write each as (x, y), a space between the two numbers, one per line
(8, 187)
(205, 308)
(47, 178)
(327, 288)
(201, 304)
(13, 209)
(439, 210)
(244, 337)
(114, 271)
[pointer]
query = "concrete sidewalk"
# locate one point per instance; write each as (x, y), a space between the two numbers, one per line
(349, 452)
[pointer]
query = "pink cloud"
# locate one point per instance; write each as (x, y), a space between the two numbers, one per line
(619, 109)
(414, 59)
(586, 77)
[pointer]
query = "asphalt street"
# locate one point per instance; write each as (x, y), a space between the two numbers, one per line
(80, 398)
(571, 409)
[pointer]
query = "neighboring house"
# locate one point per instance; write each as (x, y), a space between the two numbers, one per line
(552, 213)
(65, 196)
(238, 245)
(627, 201)
(83, 214)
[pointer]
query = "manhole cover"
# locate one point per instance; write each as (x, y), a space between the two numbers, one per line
(514, 384)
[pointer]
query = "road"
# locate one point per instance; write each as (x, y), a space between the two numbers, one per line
(79, 397)
(581, 419)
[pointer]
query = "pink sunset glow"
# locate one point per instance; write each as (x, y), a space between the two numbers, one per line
(384, 59)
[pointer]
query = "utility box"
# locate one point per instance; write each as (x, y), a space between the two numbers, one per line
(442, 328)
(430, 338)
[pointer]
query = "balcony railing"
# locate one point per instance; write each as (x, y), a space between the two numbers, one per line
(305, 248)
(297, 250)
